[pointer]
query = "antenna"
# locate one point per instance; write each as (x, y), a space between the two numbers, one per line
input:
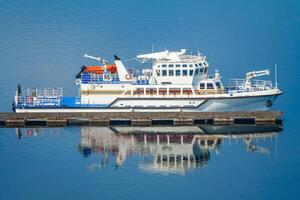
(152, 52)
(276, 75)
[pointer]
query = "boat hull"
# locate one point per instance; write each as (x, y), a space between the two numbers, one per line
(228, 104)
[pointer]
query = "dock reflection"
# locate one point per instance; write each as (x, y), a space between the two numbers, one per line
(171, 149)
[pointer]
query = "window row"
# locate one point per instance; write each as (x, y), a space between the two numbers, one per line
(184, 72)
(208, 86)
(161, 91)
(183, 65)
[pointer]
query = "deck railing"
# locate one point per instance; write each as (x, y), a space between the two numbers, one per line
(238, 85)
(40, 97)
(100, 78)
(25, 101)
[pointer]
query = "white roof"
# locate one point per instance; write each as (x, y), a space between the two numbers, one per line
(171, 56)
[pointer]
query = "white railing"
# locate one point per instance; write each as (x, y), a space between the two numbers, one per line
(238, 85)
(40, 97)
(262, 84)
(44, 92)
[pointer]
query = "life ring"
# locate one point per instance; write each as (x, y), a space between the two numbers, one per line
(128, 76)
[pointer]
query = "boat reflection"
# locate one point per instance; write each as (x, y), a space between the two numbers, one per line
(171, 149)
(37, 131)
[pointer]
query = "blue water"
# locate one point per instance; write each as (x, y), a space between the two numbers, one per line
(42, 44)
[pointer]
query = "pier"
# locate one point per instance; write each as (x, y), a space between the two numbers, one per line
(9, 119)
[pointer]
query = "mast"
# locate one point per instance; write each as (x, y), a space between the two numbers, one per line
(276, 76)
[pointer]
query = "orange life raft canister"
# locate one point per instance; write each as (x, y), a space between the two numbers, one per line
(99, 69)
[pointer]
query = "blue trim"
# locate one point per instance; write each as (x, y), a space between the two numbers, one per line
(106, 82)
(62, 102)
(20, 106)
(87, 78)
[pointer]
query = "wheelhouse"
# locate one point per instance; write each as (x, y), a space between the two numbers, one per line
(186, 73)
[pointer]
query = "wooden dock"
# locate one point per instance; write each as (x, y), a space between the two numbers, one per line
(10, 119)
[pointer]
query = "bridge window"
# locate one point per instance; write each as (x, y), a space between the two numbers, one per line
(177, 65)
(191, 65)
(205, 63)
(196, 65)
(164, 65)
(158, 66)
(201, 71)
(205, 70)
(210, 86)
(171, 65)
(178, 72)
(184, 72)
(184, 65)
(191, 72)
(200, 64)
(218, 84)
(158, 72)
(171, 72)
(202, 86)
(164, 72)
(196, 71)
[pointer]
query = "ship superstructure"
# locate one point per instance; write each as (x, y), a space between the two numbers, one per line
(177, 82)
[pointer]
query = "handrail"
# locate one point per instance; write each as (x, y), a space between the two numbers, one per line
(50, 92)
(238, 85)
(100, 79)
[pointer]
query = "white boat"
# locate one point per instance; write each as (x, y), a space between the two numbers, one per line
(177, 82)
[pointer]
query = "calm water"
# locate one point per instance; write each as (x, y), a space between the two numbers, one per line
(146, 163)
(42, 45)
